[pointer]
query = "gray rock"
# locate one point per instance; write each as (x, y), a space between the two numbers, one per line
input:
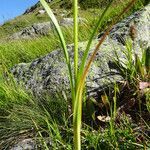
(38, 29)
(140, 20)
(34, 7)
(30, 144)
(48, 1)
(50, 74)
(26, 144)
(42, 11)
(69, 21)
(33, 31)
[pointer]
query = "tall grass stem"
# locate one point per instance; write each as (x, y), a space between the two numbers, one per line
(63, 43)
(76, 20)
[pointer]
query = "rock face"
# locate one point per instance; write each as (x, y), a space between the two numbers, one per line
(26, 144)
(49, 73)
(33, 8)
(33, 31)
(38, 29)
(30, 144)
(140, 21)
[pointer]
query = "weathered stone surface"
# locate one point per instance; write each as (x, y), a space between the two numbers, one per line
(141, 21)
(41, 29)
(26, 144)
(34, 7)
(69, 21)
(42, 11)
(33, 31)
(49, 73)
(30, 144)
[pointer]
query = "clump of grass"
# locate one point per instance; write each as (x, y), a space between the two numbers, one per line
(136, 72)
(134, 69)
(25, 116)
(77, 80)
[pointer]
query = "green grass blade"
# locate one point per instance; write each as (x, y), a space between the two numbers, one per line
(77, 117)
(91, 38)
(77, 111)
(75, 12)
(91, 59)
(42, 138)
(58, 29)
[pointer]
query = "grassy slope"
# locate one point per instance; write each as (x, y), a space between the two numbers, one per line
(26, 20)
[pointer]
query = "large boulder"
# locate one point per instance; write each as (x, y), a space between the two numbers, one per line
(50, 74)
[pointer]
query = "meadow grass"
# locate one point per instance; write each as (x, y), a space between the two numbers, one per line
(23, 51)
(26, 20)
(47, 120)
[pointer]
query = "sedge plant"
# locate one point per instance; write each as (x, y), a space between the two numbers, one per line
(136, 71)
(77, 75)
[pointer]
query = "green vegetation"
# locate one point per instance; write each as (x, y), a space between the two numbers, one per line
(23, 115)
(48, 118)
(26, 20)
(20, 51)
